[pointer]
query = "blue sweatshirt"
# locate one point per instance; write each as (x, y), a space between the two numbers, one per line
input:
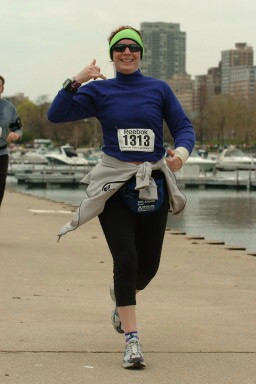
(132, 104)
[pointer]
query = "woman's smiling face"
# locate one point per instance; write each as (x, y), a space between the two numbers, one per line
(126, 62)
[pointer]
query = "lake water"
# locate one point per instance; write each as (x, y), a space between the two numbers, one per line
(225, 215)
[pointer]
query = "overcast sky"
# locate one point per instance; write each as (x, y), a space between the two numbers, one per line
(45, 41)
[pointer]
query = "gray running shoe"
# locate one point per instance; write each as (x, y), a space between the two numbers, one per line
(133, 357)
(115, 319)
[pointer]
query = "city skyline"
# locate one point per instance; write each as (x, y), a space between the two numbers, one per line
(45, 42)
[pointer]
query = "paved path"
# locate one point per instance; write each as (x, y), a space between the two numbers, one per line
(197, 319)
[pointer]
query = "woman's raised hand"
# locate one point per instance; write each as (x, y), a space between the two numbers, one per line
(91, 71)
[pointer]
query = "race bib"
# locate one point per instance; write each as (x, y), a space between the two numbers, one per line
(136, 139)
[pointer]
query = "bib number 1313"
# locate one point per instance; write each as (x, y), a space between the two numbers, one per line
(136, 139)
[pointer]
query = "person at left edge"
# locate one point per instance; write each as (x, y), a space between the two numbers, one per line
(9, 120)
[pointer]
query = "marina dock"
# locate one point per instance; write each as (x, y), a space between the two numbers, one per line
(71, 176)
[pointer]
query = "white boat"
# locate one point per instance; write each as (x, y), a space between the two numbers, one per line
(36, 156)
(32, 156)
(232, 158)
(66, 155)
(205, 164)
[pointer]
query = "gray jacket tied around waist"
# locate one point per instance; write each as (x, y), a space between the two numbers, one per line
(111, 174)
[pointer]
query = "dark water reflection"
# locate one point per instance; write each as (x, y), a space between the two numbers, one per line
(220, 215)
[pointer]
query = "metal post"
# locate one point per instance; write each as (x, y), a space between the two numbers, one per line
(250, 180)
(237, 177)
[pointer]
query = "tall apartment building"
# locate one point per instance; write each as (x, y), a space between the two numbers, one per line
(200, 91)
(165, 49)
(205, 87)
(213, 82)
(182, 86)
(242, 82)
(242, 55)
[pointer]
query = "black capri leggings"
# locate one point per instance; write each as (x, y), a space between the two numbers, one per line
(4, 159)
(135, 241)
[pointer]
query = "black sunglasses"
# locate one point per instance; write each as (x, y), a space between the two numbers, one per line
(122, 47)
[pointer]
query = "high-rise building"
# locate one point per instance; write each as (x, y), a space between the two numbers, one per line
(165, 50)
(242, 55)
(242, 82)
(200, 91)
(182, 86)
(213, 85)
(205, 87)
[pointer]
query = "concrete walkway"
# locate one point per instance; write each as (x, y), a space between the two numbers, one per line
(197, 319)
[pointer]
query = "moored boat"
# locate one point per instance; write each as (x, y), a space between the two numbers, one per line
(232, 158)
(66, 154)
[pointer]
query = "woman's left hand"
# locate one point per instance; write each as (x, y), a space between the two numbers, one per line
(174, 162)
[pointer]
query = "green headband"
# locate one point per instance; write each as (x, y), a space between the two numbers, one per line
(126, 34)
